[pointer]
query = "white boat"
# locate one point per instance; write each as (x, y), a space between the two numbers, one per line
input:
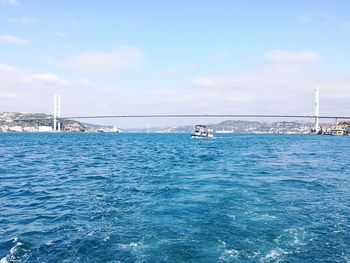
(338, 131)
(202, 131)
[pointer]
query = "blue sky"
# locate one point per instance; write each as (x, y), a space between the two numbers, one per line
(174, 56)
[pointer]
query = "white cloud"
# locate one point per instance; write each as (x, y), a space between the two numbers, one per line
(22, 90)
(346, 25)
(49, 78)
(101, 61)
(190, 67)
(20, 20)
(8, 95)
(292, 56)
(180, 71)
(14, 40)
(305, 18)
(203, 81)
(266, 89)
(219, 56)
(321, 18)
(172, 72)
(85, 82)
(9, 2)
(7, 68)
(269, 89)
(59, 34)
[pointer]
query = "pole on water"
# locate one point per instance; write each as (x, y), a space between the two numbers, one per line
(317, 110)
(54, 113)
(57, 113)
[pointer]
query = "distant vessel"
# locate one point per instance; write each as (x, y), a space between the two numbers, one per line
(339, 129)
(202, 131)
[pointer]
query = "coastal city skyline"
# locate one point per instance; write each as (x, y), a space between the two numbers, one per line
(215, 59)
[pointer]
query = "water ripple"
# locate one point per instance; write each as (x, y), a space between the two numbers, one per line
(167, 198)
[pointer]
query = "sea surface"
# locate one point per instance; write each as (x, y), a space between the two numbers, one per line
(108, 197)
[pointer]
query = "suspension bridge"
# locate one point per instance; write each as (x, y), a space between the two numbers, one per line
(58, 119)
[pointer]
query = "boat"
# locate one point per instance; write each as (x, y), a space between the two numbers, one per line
(202, 131)
(338, 131)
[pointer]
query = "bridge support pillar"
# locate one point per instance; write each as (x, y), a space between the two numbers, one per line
(57, 113)
(317, 110)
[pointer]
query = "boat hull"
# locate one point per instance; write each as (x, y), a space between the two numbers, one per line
(201, 136)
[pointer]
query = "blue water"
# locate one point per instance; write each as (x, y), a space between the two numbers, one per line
(166, 198)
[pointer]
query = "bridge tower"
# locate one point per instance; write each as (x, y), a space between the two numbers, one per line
(57, 113)
(317, 110)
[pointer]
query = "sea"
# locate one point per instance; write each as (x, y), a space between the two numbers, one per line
(124, 197)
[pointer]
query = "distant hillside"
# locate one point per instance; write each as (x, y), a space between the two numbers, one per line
(15, 121)
(239, 126)
(235, 126)
(98, 126)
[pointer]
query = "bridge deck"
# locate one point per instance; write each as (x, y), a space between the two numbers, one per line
(190, 116)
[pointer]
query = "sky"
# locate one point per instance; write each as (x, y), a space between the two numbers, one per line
(174, 57)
